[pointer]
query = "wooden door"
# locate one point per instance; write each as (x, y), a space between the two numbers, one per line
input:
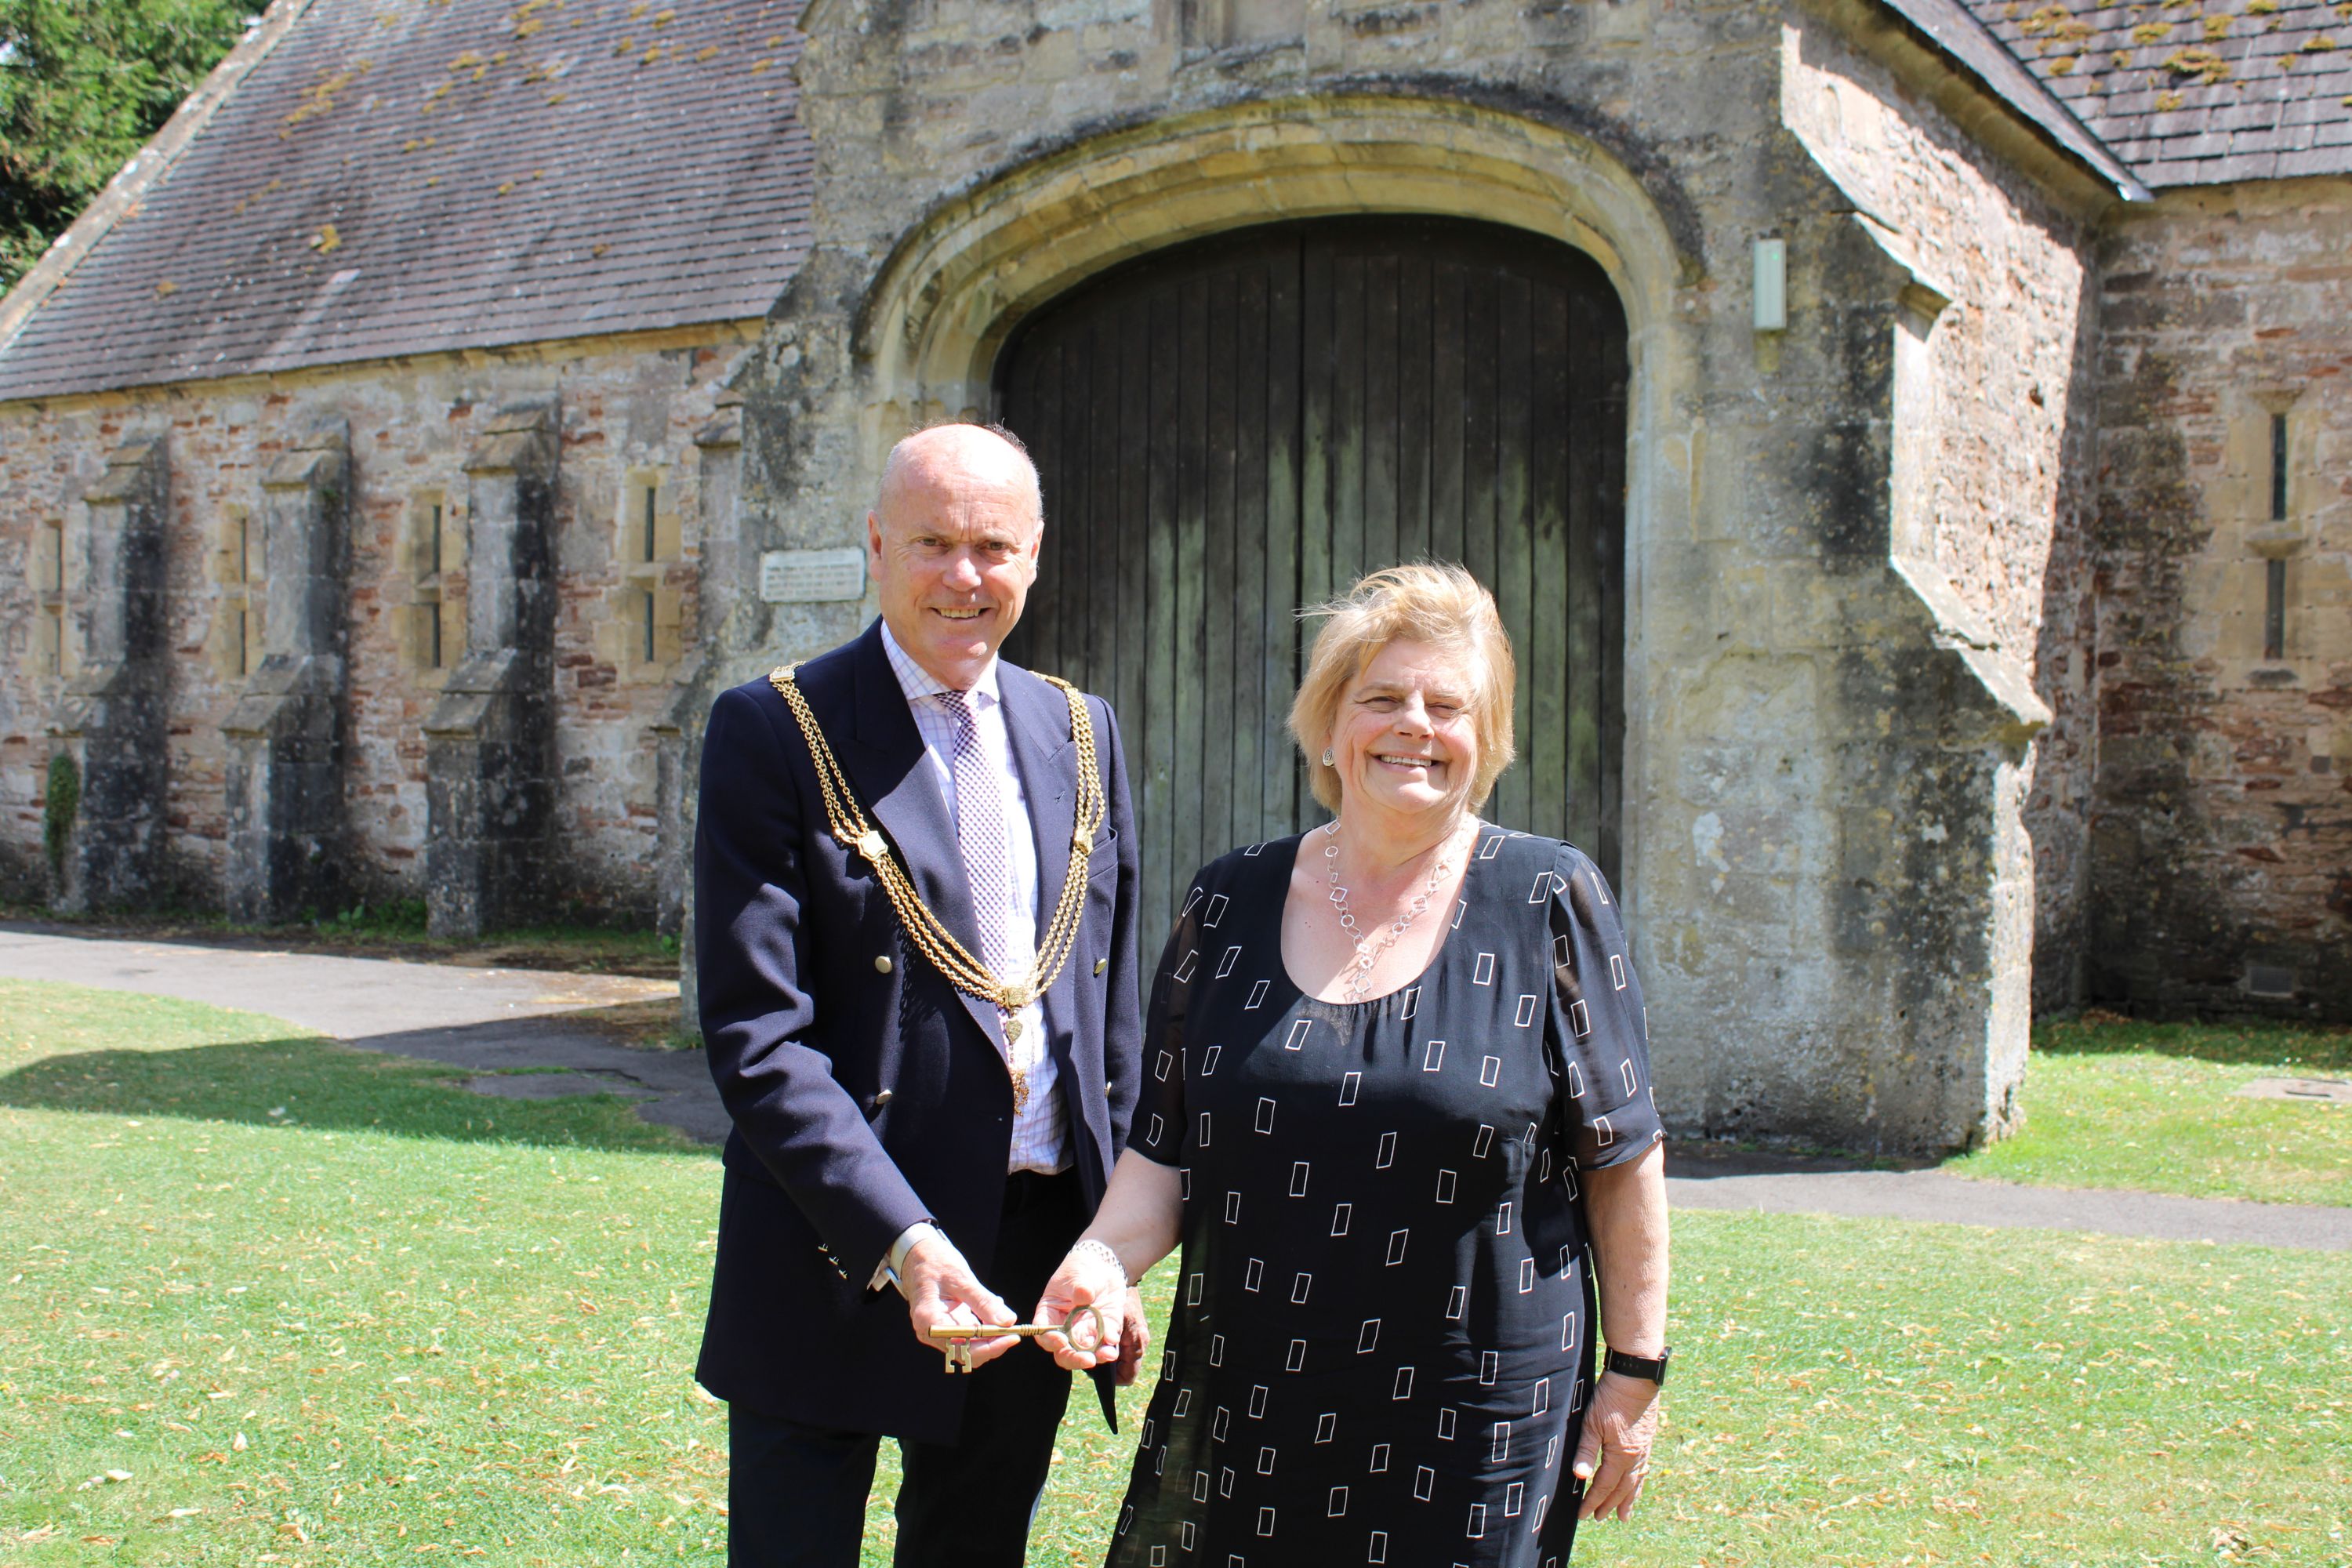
(1228, 430)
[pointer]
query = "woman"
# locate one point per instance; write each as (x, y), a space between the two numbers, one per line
(1398, 1107)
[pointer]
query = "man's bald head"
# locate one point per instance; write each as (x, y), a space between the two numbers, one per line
(958, 456)
(953, 544)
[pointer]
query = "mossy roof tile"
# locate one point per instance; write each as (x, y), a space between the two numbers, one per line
(403, 176)
(2156, 81)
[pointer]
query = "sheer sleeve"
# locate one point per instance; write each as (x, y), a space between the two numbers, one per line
(1599, 1027)
(1160, 1131)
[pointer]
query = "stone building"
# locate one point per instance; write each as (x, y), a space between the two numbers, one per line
(1908, 440)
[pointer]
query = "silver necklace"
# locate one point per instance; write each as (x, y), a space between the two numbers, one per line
(1368, 950)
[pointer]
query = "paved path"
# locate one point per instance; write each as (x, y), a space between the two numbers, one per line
(487, 1019)
(1705, 1178)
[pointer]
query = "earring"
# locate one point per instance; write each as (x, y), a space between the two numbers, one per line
(1327, 758)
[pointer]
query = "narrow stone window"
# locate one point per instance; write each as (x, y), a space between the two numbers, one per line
(2278, 468)
(434, 638)
(46, 572)
(640, 635)
(2274, 574)
(244, 609)
(239, 568)
(1223, 24)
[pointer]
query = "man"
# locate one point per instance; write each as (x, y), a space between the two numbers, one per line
(902, 1107)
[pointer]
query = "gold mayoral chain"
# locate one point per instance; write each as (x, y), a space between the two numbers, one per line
(846, 819)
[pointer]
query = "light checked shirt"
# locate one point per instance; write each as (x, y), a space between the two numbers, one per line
(1040, 1130)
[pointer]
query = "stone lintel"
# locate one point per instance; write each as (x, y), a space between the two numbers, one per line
(519, 437)
(724, 429)
(127, 470)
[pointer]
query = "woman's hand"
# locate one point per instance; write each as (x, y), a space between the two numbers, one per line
(1090, 1276)
(1612, 1457)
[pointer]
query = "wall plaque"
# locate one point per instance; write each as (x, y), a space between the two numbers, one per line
(812, 576)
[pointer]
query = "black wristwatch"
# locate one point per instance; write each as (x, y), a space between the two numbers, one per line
(1617, 1360)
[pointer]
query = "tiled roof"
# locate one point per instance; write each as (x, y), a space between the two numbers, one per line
(2197, 92)
(403, 176)
(1962, 35)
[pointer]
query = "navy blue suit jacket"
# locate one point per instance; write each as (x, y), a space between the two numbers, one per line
(868, 1093)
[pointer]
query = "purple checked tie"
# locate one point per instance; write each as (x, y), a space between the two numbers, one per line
(980, 833)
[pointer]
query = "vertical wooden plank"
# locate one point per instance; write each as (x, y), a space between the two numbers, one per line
(1112, 532)
(1415, 380)
(1074, 585)
(1513, 540)
(1251, 696)
(1381, 434)
(1544, 670)
(1217, 666)
(1317, 371)
(1156, 812)
(1191, 606)
(1587, 587)
(1347, 436)
(1135, 518)
(1044, 439)
(1284, 481)
(1481, 371)
(1015, 396)
(1448, 411)
(1609, 351)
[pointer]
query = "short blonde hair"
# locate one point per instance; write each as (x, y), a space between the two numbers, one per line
(1430, 602)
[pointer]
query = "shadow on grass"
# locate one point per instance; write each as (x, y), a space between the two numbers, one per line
(310, 1083)
(2309, 1050)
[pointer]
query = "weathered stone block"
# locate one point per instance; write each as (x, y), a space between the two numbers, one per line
(116, 710)
(490, 764)
(285, 736)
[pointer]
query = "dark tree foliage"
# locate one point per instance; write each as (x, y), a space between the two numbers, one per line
(83, 83)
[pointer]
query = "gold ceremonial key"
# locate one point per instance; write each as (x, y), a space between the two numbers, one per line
(957, 1337)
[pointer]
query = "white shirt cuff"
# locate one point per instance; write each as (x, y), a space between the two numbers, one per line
(893, 1265)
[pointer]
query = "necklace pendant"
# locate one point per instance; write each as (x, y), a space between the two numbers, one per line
(1013, 1031)
(1020, 1091)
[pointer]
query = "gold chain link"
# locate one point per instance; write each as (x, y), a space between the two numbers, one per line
(846, 820)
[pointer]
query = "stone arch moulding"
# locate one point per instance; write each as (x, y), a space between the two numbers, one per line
(954, 288)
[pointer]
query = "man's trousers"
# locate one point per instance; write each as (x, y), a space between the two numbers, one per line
(796, 1494)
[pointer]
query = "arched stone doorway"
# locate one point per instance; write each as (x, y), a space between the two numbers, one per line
(1233, 427)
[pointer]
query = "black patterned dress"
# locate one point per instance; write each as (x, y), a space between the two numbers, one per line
(1382, 1343)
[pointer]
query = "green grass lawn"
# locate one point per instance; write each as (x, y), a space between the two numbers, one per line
(2114, 1103)
(267, 1299)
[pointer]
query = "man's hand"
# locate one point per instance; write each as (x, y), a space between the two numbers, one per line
(1619, 1428)
(942, 1289)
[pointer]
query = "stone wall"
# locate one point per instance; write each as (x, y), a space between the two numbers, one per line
(1827, 872)
(631, 411)
(1997, 402)
(2223, 863)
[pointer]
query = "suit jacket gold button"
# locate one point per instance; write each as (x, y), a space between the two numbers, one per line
(1101, 964)
(881, 963)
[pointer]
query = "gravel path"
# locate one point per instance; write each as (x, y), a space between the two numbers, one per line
(485, 1019)
(488, 1020)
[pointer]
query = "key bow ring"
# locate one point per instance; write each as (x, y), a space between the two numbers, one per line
(955, 1339)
